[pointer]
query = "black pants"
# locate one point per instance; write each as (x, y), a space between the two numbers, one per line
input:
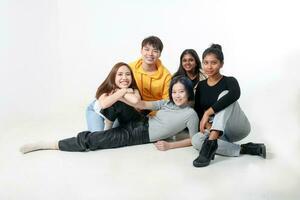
(130, 133)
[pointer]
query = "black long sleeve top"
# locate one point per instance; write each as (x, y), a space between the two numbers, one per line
(207, 96)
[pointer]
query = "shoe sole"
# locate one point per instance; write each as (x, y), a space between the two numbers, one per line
(264, 151)
(203, 164)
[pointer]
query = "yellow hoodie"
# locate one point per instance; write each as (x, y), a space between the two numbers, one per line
(154, 86)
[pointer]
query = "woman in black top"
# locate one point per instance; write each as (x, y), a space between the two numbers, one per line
(222, 120)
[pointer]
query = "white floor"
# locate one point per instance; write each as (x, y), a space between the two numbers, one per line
(138, 172)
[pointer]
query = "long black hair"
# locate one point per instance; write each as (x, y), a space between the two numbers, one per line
(194, 54)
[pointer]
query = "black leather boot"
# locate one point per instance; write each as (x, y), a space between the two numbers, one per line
(254, 149)
(207, 153)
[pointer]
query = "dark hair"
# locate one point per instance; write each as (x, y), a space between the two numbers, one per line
(153, 41)
(215, 49)
(109, 83)
(186, 82)
(194, 54)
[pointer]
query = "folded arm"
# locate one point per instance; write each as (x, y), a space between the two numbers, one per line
(127, 95)
(131, 97)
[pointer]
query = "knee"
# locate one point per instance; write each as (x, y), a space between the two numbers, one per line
(198, 139)
(90, 107)
(83, 136)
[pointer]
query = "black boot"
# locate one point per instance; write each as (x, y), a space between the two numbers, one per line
(207, 153)
(254, 149)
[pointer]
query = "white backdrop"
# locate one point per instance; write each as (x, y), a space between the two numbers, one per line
(54, 54)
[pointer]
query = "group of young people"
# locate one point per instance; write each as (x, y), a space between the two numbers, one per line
(142, 102)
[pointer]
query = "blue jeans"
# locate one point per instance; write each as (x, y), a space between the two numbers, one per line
(95, 122)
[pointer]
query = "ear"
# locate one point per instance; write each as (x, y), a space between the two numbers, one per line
(159, 54)
(222, 64)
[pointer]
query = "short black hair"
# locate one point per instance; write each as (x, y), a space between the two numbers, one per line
(186, 82)
(153, 41)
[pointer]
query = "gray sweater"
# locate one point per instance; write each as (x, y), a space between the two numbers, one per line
(171, 119)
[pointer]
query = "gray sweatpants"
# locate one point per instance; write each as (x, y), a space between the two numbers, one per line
(235, 126)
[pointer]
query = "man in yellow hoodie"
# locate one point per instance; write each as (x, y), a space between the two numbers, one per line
(151, 76)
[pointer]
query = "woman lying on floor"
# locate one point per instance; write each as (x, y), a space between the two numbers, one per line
(172, 117)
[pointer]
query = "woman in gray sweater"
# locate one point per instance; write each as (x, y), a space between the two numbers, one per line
(172, 117)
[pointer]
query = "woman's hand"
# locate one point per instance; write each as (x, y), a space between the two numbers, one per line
(162, 145)
(131, 97)
(205, 118)
(108, 99)
(122, 91)
(129, 90)
(208, 126)
(203, 122)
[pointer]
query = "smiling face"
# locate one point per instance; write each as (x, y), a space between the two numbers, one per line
(188, 63)
(123, 77)
(212, 65)
(150, 54)
(179, 94)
